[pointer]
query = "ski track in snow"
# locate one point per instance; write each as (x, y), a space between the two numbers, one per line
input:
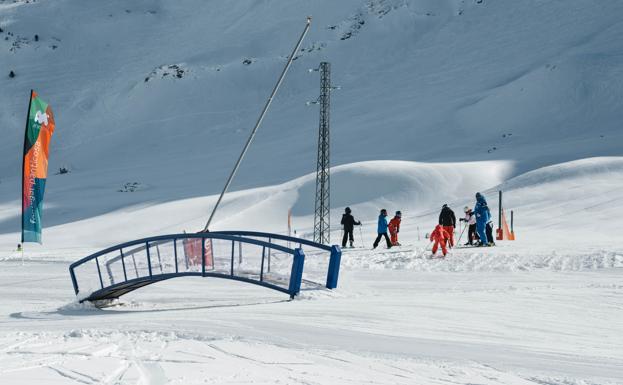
(143, 363)
(482, 260)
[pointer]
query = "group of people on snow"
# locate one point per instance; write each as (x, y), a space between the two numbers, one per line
(479, 224)
(478, 221)
(393, 226)
(383, 226)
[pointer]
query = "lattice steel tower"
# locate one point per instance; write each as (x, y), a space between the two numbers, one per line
(322, 220)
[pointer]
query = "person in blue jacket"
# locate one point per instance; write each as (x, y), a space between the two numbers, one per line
(382, 230)
(483, 216)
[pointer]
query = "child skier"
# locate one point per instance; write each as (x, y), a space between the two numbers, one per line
(394, 228)
(440, 237)
(382, 230)
(470, 220)
(349, 223)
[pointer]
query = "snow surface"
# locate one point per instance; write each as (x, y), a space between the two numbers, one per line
(153, 101)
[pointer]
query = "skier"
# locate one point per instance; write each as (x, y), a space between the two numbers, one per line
(394, 228)
(382, 230)
(483, 216)
(470, 220)
(440, 236)
(349, 223)
(448, 221)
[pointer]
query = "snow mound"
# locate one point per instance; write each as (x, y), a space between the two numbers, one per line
(364, 186)
(584, 170)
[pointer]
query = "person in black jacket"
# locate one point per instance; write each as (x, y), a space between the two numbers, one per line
(349, 222)
(448, 221)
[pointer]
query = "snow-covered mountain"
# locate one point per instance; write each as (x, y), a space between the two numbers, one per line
(160, 96)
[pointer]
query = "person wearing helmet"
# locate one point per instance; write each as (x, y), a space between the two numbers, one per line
(349, 223)
(448, 221)
(470, 220)
(382, 230)
(394, 228)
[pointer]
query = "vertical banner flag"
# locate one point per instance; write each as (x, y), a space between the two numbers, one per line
(39, 130)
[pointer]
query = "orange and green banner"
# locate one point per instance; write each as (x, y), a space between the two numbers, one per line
(39, 130)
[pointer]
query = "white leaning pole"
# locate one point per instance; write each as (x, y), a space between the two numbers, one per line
(258, 123)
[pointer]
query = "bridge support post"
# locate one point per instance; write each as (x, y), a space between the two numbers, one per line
(99, 272)
(334, 267)
(296, 276)
(74, 281)
(148, 258)
(125, 274)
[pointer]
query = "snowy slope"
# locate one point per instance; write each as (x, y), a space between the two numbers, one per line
(421, 80)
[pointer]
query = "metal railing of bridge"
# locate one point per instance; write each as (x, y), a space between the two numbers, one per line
(120, 269)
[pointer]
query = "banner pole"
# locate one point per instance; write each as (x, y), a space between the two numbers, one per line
(500, 211)
(23, 165)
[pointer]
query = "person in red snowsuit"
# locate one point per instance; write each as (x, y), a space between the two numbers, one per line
(440, 237)
(394, 228)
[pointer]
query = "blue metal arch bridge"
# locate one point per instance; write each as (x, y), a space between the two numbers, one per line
(273, 261)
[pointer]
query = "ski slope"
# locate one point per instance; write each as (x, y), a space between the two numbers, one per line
(439, 99)
(542, 309)
(387, 324)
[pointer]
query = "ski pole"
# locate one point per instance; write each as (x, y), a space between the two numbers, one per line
(458, 242)
(429, 245)
(361, 235)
